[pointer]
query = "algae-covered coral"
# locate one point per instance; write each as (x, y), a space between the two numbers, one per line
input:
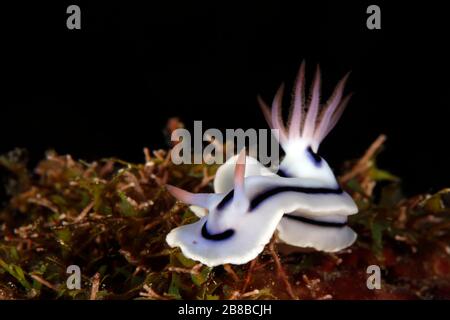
(110, 218)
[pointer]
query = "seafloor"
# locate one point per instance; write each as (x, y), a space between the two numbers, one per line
(111, 217)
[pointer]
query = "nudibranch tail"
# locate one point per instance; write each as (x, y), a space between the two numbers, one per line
(203, 200)
(198, 199)
(307, 121)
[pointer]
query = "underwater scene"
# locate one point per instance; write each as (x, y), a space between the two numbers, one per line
(280, 151)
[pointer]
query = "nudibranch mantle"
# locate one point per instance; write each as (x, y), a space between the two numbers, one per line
(303, 201)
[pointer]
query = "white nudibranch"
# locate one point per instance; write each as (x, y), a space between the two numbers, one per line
(308, 125)
(304, 201)
(239, 224)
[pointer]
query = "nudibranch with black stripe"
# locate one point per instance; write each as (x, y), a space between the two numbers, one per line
(324, 225)
(321, 225)
(303, 201)
(242, 221)
(239, 224)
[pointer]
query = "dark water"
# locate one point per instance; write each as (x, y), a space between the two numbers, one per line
(109, 88)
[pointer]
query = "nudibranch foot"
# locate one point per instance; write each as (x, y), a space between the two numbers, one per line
(330, 235)
(238, 244)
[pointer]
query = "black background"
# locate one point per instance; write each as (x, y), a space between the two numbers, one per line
(108, 89)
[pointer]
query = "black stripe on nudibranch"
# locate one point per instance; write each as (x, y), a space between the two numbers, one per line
(283, 173)
(277, 190)
(316, 222)
(218, 236)
(314, 156)
(225, 200)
